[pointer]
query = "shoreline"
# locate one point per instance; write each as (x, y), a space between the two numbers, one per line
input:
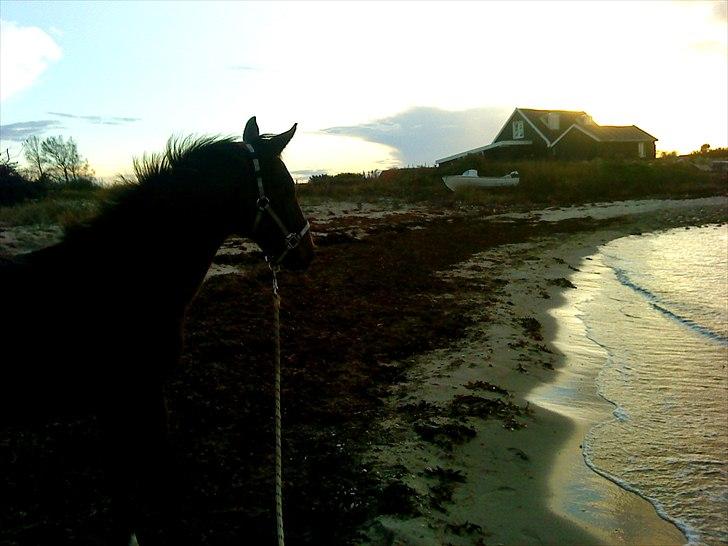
(537, 475)
(582, 494)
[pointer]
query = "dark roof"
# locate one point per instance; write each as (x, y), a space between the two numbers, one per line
(614, 133)
(566, 119)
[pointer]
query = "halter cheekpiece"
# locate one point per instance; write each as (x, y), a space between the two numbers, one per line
(292, 238)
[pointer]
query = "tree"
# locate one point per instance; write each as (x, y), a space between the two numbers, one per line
(37, 161)
(61, 154)
(64, 159)
(704, 149)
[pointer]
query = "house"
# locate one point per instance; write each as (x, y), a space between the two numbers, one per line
(562, 134)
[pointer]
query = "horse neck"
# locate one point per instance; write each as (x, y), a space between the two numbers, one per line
(152, 259)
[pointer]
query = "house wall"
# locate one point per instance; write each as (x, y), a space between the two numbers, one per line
(577, 145)
(536, 150)
(628, 150)
(528, 131)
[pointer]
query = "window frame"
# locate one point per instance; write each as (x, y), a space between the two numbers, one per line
(518, 129)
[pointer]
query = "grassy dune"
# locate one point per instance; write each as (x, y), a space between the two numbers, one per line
(542, 182)
(58, 207)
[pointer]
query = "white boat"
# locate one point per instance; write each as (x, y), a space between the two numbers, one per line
(470, 179)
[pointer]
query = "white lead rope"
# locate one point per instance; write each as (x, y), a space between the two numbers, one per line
(277, 396)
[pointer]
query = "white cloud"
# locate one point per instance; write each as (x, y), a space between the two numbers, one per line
(420, 135)
(25, 53)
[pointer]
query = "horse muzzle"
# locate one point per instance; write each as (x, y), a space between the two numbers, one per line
(300, 256)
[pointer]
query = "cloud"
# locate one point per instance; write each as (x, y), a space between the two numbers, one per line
(303, 175)
(308, 172)
(423, 134)
(99, 120)
(25, 53)
(19, 132)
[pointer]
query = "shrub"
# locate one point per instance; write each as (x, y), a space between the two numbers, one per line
(14, 187)
(547, 182)
(411, 184)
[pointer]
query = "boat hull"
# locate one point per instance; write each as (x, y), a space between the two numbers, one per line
(458, 181)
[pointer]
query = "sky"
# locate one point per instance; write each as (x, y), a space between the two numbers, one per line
(372, 85)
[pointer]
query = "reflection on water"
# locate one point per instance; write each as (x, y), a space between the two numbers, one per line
(649, 325)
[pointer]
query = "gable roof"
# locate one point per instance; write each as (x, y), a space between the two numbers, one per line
(568, 120)
(539, 121)
(611, 133)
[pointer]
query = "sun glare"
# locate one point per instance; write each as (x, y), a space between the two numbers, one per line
(343, 154)
(662, 66)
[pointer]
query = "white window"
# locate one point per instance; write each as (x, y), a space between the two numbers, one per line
(641, 149)
(518, 129)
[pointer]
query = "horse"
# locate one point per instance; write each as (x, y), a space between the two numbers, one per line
(93, 324)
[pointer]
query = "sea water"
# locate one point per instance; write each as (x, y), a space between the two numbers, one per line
(656, 313)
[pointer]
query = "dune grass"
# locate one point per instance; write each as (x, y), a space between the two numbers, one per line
(63, 206)
(542, 183)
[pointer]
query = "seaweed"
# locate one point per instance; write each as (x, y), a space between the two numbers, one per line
(444, 434)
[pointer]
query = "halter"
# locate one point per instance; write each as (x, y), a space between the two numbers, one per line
(292, 238)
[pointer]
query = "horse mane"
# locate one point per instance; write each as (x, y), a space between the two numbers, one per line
(180, 152)
(158, 185)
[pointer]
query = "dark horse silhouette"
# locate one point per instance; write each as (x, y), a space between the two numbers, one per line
(93, 324)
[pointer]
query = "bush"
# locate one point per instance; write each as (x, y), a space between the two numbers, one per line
(15, 188)
(546, 182)
(23, 202)
(411, 184)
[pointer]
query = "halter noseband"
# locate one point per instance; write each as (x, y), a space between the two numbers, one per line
(292, 238)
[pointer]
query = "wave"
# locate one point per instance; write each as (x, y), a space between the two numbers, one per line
(660, 306)
(690, 533)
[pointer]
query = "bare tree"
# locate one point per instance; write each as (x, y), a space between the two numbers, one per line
(63, 157)
(37, 161)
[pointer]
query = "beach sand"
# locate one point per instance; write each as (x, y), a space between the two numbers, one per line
(521, 480)
(417, 348)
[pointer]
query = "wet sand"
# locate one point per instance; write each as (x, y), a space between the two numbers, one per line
(526, 484)
(410, 349)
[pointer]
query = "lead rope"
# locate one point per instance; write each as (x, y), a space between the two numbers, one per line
(277, 396)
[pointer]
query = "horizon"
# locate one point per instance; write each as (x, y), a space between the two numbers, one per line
(413, 82)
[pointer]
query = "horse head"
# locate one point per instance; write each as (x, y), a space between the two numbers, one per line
(279, 227)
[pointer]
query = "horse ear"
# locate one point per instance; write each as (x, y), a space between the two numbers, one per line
(279, 142)
(251, 131)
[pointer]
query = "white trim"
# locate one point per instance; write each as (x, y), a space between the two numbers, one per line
(506, 124)
(524, 116)
(520, 124)
(569, 129)
(596, 138)
(498, 144)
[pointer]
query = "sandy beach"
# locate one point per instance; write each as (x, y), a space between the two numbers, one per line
(419, 352)
(501, 483)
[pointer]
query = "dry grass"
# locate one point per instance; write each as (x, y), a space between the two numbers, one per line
(542, 183)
